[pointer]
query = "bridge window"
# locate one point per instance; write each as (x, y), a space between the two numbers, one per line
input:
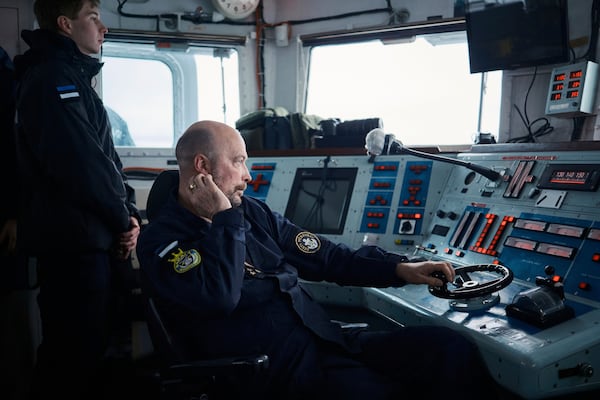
(153, 92)
(140, 105)
(421, 88)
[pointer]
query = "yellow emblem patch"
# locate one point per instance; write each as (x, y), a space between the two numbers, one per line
(183, 261)
(308, 242)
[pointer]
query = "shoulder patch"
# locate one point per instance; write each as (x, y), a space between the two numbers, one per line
(67, 92)
(183, 261)
(308, 242)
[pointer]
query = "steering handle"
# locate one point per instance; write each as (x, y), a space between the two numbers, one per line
(468, 288)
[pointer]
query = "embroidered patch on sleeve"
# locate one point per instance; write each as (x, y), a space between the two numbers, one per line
(308, 242)
(183, 261)
(67, 92)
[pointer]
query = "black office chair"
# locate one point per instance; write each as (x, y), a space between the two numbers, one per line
(176, 377)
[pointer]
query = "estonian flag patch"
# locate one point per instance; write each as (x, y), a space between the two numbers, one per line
(67, 92)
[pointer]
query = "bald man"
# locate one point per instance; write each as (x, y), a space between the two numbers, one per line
(224, 270)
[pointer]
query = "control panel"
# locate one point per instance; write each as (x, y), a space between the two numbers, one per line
(540, 334)
(526, 240)
(572, 90)
(390, 201)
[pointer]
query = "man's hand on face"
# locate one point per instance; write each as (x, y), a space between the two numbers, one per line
(206, 197)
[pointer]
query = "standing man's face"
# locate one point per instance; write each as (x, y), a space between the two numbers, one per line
(87, 31)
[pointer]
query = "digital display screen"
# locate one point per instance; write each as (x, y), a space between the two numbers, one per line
(570, 177)
(576, 74)
(517, 35)
(583, 177)
(572, 94)
(320, 197)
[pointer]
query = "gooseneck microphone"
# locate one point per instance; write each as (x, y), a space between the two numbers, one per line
(377, 142)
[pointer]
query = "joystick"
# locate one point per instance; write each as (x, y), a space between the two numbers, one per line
(542, 306)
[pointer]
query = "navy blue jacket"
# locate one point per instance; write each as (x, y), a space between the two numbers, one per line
(217, 307)
(8, 200)
(74, 194)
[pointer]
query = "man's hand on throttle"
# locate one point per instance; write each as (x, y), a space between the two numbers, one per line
(420, 272)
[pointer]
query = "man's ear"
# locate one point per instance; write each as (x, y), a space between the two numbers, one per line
(64, 24)
(202, 164)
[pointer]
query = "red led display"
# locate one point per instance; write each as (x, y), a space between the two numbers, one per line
(576, 74)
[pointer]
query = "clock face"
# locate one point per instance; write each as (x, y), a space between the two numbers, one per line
(236, 9)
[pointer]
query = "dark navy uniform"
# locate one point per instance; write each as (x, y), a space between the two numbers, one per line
(74, 203)
(232, 287)
(72, 176)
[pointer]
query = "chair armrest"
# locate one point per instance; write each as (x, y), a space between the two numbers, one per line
(219, 366)
(350, 325)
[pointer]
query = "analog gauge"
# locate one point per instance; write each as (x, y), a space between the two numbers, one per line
(236, 9)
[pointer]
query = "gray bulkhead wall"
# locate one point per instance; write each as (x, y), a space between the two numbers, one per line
(15, 15)
(292, 59)
(285, 65)
(516, 83)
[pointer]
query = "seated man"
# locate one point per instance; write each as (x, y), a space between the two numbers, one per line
(224, 270)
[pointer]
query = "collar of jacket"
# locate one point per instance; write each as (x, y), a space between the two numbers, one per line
(45, 45)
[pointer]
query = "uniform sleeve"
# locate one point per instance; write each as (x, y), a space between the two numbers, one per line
(317, 258)
(130, 198)
(131, 203)
(204, 275)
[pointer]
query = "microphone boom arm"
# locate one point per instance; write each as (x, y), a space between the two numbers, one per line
(397, 148)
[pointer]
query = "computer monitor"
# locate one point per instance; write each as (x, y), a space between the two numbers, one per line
(320, 198)
(517, 34)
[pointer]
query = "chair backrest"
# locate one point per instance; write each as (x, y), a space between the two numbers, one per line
(162, 341)
(166, 181)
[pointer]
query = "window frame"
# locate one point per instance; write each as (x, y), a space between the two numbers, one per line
(184, 99)
(392, 33)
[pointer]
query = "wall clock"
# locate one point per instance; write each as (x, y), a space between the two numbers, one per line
(236, 9)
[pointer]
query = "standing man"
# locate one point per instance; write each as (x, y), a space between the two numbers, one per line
(78, 216)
